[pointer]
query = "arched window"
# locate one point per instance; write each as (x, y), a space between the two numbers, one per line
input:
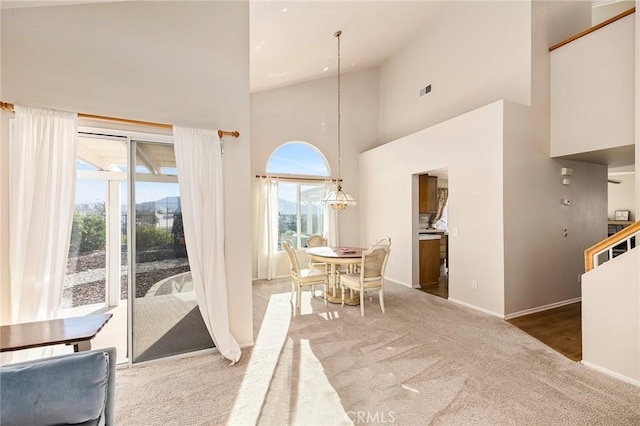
(300, 207)
(297, 158)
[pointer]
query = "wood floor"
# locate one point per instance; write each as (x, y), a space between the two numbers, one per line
(559, 328)
(441, 289)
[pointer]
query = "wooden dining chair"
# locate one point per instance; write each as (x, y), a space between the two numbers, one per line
(304, 277)
(317, 240)
(384, 240)
(371, 275)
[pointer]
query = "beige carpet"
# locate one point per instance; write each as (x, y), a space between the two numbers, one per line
(426, 361)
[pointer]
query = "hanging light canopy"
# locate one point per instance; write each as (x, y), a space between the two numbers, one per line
(339, 199)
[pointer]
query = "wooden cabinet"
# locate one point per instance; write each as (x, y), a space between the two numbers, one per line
(429, 261)
(428, 194)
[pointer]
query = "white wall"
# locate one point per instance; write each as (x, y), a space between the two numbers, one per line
(470, 147)
(481, 52)
(622, 196)
(308, 112)
(605, 11)
(541, 265)
(592, 91)
(611, 330)
(474, 54)
(185, 63)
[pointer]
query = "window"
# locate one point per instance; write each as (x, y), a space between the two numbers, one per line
(94, 275)
(300, 207)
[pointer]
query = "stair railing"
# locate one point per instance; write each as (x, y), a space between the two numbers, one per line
(627, 237)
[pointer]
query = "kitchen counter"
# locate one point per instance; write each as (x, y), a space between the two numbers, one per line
(430, 236)
(433, 231)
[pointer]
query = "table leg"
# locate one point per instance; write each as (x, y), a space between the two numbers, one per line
(84, 345)
(335, 295)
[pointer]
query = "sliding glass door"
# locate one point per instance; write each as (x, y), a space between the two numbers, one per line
(165, 316)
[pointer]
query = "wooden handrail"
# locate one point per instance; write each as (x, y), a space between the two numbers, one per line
(592, 29)
(611, 241)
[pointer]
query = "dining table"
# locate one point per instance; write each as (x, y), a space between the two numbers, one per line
(336, 258)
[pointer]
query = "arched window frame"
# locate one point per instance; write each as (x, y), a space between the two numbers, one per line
(308, 218)
(288, 173)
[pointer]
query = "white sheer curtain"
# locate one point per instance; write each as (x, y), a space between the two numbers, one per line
(267, 228)
(42, 180)
(331, 226)
(199, 164)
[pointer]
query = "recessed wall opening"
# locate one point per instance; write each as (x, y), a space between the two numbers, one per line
(432, 212)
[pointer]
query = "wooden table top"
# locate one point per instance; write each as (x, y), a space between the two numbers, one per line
(51, 332)
(336, 252)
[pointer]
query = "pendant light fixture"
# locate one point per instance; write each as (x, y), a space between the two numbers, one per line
(339, 199)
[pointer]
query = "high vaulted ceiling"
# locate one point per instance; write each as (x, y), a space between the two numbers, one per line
(292, 41)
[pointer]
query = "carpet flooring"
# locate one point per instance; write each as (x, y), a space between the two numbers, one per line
(426, 361)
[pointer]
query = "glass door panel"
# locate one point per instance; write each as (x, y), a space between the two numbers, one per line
(311, 211)
(96, 278)
(86, 279)
(300, 212)
(166, 319)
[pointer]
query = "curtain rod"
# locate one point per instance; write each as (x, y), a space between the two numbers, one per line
(221, 133)
(298, 179)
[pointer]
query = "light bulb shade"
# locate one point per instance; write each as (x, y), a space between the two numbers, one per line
(339, 200)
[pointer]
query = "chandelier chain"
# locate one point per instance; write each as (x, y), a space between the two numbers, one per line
(337, 34)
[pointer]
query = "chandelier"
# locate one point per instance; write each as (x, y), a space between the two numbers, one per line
(339, 199)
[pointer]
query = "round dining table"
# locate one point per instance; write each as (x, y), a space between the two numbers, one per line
(335, 258)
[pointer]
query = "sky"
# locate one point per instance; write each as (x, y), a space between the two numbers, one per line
(296, 158)
(92, 191)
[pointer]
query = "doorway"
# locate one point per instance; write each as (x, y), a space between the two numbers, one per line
(432, 232)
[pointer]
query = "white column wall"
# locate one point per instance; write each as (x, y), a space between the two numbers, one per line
(184, 63)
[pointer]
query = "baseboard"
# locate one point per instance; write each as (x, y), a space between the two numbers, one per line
(611, 373)
(542, 308)
(399, 282)
(213, 350)
(272, 279)
(476, 308)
